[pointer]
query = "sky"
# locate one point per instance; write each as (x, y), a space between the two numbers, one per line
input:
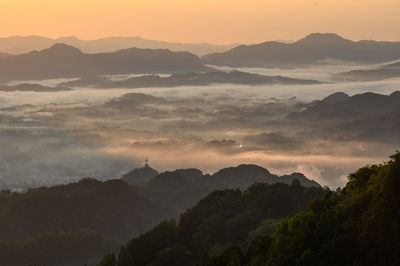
(212, 21)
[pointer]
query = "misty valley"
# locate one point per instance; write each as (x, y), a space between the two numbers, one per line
(126, 151)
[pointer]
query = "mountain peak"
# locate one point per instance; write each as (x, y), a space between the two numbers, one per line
(322, 37)
(62, 49)
(336, 97)
(140, 176)
(395, 94)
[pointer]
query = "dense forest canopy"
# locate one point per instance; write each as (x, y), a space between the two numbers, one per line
(223, 218)
(359, 225)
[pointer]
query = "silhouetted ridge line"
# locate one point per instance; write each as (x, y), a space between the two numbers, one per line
(65, 61)
(314, 49)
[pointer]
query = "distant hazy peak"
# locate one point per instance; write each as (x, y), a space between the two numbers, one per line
(62, 49)
(244, 168)
(189, 172)
(31, 37)
(336, 97)
(67, 38)
(323, 37)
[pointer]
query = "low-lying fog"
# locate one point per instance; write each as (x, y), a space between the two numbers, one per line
(48, 138)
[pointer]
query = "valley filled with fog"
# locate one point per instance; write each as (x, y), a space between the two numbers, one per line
(49, 138)
(207, 133)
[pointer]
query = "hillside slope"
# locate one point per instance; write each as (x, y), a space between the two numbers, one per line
(358, 226)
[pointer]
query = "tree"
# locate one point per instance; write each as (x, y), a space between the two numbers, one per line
(108, 260)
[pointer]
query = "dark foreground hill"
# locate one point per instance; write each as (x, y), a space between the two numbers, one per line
(314, 49)
(72, 222)
(86, 204)
(67, 224)
(359, 225)
(64, 61)
(221, 219)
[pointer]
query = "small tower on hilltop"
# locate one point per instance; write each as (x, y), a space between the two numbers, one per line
(146, 165)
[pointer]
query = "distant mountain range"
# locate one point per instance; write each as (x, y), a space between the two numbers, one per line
(64, 61)
(316, 48)
(187, 79)
(384, 72)
(24, 44)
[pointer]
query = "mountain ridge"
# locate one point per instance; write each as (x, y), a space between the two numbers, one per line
(358, 106)
(45, 64)
(188, 79)
(314, 49)
(24, 44)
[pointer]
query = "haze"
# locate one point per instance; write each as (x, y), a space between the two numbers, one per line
(202, 21)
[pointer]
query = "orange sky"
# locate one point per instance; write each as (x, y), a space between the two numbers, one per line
(215, 21)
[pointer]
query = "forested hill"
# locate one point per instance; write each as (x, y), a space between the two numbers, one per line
(219, 220)
(183, 188)
(69, 224)
(72, 222)
(359, 225)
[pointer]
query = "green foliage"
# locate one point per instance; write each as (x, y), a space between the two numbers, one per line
(143, 250)
(108, 260)
(359, 226)
(218, 249)
(220, 220)
(231, 257)
(73, 222)
(89, 204)
(266, 227)
(176, 255)
(49, 249)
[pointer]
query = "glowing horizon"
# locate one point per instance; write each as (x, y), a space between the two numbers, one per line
(219, 22)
